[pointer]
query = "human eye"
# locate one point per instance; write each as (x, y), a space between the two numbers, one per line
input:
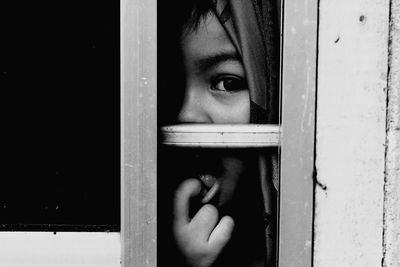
(228, 84)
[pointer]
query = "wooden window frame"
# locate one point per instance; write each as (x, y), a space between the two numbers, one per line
(299, 24)
(139, 132)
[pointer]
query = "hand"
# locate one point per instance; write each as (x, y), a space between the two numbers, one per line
(200, 239)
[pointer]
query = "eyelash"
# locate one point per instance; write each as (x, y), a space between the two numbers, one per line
(238, 83)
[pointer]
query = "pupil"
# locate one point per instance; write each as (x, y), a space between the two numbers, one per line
(230, 85)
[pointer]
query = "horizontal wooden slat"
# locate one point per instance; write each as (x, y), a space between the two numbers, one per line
(222, 135)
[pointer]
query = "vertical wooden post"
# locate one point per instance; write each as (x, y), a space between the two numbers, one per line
(139, 132)
(392, 179)
(351, 132)
(297, 147)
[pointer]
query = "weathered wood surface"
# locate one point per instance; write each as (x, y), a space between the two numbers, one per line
(222, 135)
(392, 181)
(351, 132)
(297, 140)
(138, 132)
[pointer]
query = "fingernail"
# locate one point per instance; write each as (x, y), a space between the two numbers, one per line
(211, 193)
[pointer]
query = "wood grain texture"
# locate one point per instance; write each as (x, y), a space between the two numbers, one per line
(139, 132)
(351, 132)
(392, 181)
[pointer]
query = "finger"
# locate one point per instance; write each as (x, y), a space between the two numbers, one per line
(204, 221)
(186, 190)
(222, 233)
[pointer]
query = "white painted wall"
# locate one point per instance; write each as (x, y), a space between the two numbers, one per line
(351, 132)
(392, 181)
(63, 249)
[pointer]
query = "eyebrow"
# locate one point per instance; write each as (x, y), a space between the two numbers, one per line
(213, 60)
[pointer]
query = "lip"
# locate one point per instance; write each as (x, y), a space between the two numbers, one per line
(211, 184)
(208, 180)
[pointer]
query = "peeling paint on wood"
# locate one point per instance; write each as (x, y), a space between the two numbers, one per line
(351, 132)
(392, 179)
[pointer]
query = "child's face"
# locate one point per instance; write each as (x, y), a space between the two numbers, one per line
(216, 91)
(216, 88)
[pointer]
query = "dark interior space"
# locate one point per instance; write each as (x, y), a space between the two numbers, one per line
(60, 80)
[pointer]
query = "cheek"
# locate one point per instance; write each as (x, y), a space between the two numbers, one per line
(243, 108)
(232, 109)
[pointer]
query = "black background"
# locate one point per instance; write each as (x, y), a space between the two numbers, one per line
(60, 144)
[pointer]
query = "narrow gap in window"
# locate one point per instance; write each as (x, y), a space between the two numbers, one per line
(218, 115)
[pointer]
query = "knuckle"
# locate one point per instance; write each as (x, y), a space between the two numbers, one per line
(177, 196)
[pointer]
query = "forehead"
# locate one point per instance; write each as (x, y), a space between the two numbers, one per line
(208, 38)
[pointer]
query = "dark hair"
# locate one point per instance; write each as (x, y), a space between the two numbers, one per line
(196, 11)
(174, 18)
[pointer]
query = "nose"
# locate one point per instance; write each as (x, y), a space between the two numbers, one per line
(194, 109)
